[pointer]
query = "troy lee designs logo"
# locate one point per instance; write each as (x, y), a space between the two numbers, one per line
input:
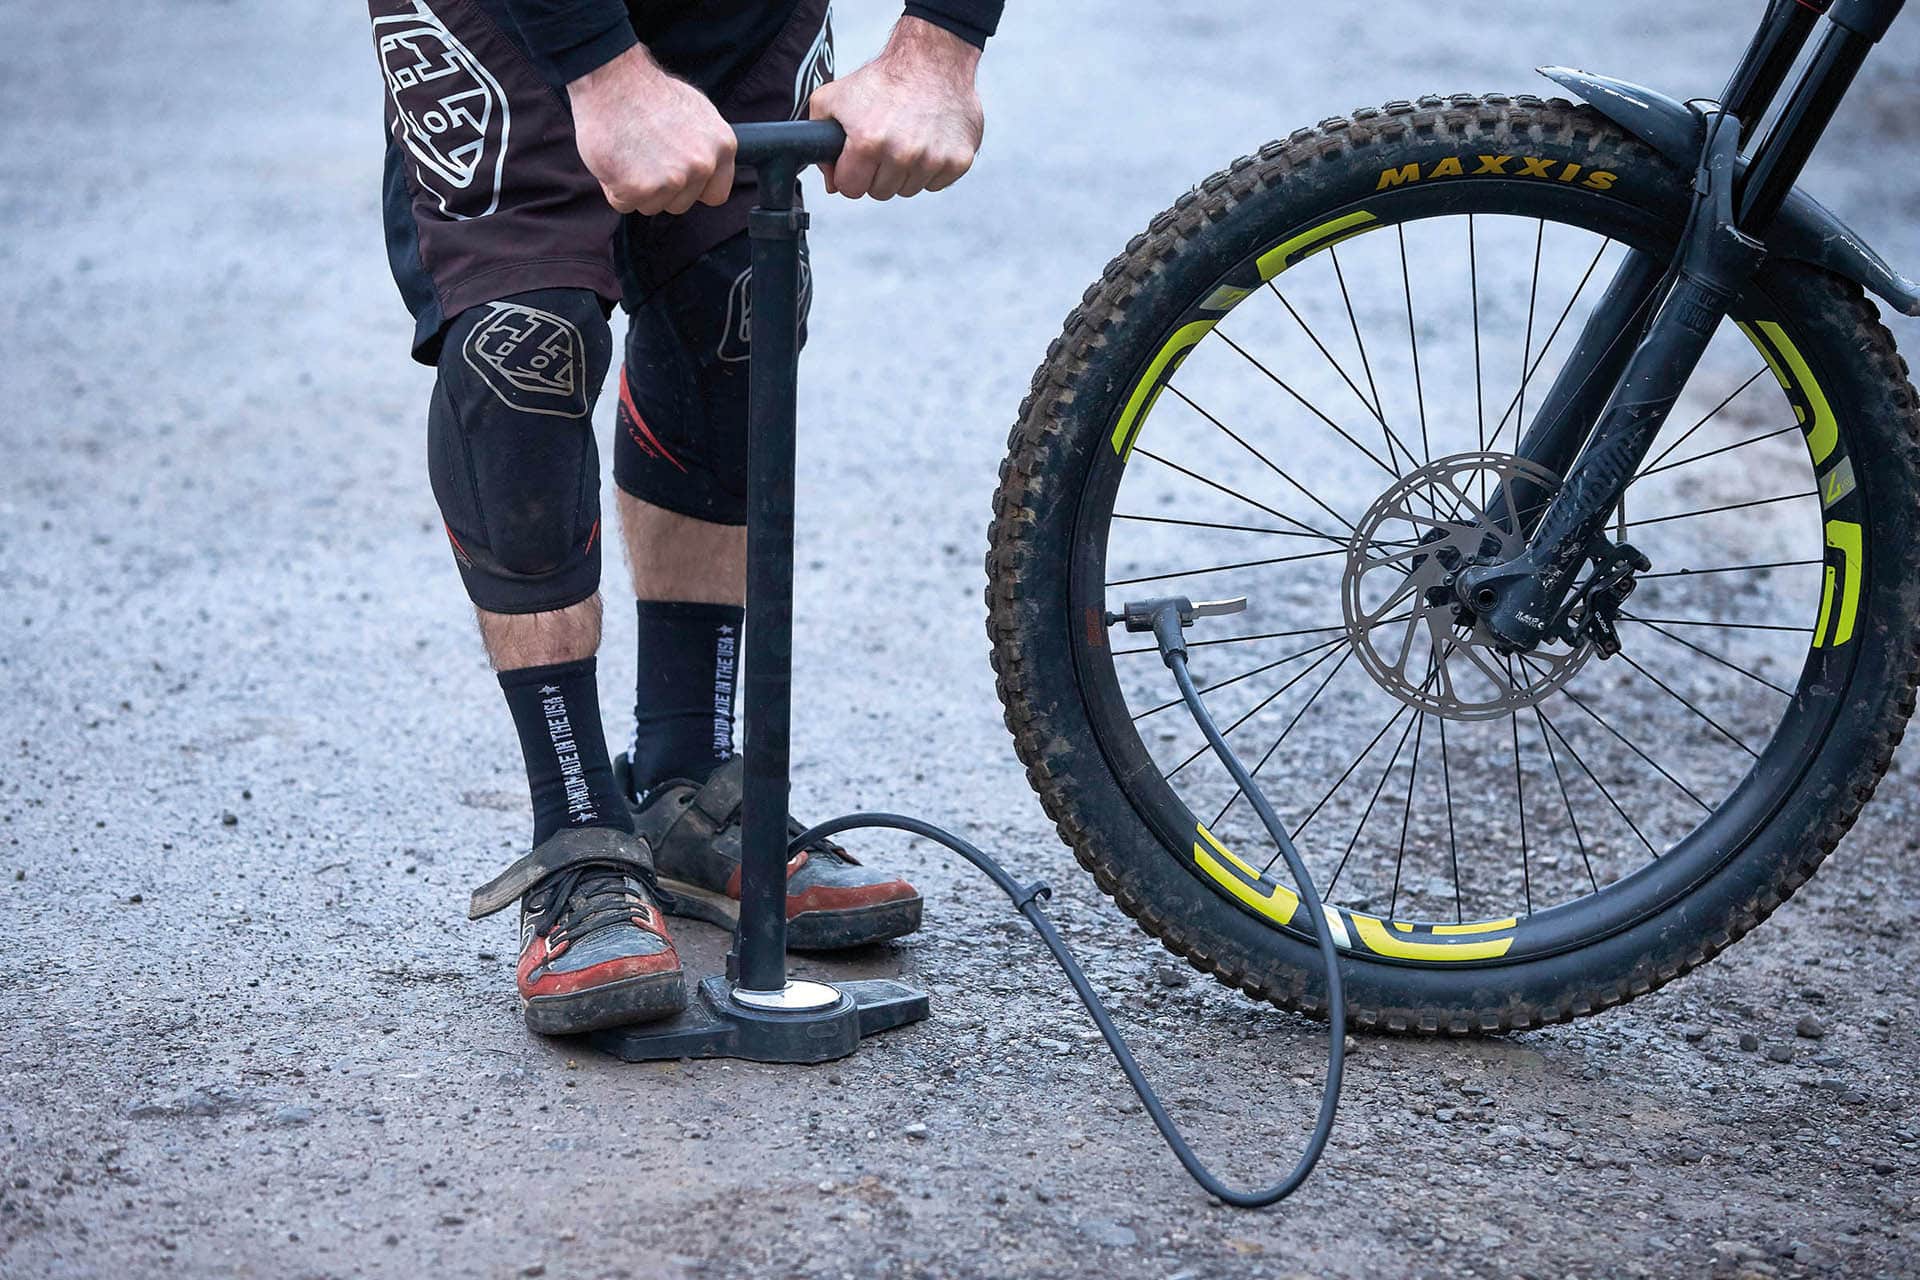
(530, 359)
(816, 68)
(736, 335)
(449, 111)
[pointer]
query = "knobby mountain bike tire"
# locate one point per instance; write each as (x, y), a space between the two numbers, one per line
(1297, 384)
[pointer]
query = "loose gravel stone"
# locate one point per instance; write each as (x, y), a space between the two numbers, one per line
(1113, 1235)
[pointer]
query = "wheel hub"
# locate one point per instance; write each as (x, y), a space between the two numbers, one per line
(1410, 630)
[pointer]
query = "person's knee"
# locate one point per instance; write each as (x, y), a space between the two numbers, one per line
(682, 437)
(511, 452)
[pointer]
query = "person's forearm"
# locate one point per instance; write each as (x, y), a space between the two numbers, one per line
(918, 48)
(971, 20)
(575, 36)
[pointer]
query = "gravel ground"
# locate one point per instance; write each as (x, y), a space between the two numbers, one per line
(253, 758)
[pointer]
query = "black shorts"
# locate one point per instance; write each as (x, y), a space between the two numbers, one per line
(485, 194)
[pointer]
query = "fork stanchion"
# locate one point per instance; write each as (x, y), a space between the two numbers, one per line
(755, 1012)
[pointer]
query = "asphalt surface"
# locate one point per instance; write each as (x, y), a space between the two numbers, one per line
(253, 759)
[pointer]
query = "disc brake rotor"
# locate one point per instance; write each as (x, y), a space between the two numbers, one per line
(1397, 595)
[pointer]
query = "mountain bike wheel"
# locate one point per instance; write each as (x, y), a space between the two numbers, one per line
(1301, 370)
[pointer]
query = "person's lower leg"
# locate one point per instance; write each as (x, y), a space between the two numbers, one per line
(689, 578)
(511, 455)
(547, 672)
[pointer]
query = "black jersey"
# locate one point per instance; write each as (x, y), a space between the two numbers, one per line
(707, 41)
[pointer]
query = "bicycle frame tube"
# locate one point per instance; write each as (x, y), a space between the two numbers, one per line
(1520, 599)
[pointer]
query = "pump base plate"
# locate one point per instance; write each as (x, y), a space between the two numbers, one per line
(715, 1025)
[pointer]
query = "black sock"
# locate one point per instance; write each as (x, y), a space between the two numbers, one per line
(557, 711)
(683, 700)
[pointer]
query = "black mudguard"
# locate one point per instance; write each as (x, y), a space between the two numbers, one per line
(1804, 230)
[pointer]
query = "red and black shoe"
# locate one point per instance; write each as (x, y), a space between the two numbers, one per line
(833, 902)
(594, 949)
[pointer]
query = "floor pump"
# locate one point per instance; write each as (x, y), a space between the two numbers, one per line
(756, 1011)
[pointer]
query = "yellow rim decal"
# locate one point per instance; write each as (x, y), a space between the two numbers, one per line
(1438, 942)
(1478, 926)
(1840, 591)
(1843, 536)
(1140, 403)
(1397, 943)
(1274, 901)
(1224, 298)
(1307, 243)
(1796, 379)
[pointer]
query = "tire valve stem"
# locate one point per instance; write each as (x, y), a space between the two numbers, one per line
(1168, 617)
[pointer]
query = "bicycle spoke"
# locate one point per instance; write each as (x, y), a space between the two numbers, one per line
(1307, 329)
(1730, 568)
(1378, 788)
(1265, 461)
(1247, 675)
(1722, 730)
(1348, 771)
(1309, 406)
(1654, 465)
(1566, 798)
(1706, 653)
(1413, 342)
(1224, 568)
(1533, 298)
(1235, 493)
(1711, 453)
(1257, 708)
(1730, 626)
(1379, 409)
(1453, 843)
(1479, 387)
(1520, 791)
(1629, 743)
(1406, 816)
(1304, 708)
(1214, 524)
(1594, 778)
(1526, 373)
(1731, 506)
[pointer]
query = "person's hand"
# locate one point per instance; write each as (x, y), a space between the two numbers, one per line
(912, 117)
(653, 141)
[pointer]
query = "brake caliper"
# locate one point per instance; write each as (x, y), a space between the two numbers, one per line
(1593, 610)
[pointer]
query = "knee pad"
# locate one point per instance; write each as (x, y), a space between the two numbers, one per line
(682, 437)
(510, 448)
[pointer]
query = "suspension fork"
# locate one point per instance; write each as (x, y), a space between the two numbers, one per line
(1520, 600)
(1585, 383)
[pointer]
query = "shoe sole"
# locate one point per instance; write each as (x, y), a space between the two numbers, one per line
(646, 998)
(810, 930)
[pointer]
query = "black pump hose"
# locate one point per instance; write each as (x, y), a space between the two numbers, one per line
(1027, 899)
